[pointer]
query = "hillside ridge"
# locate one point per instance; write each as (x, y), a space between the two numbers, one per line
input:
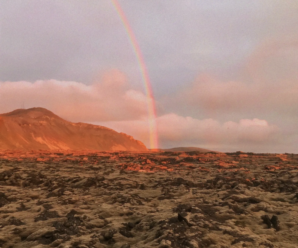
(39, 128)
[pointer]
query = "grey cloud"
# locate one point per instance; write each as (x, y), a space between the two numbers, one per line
(60, 40)
(74, 40)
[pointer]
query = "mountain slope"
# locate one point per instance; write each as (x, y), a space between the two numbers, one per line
(39, 128)
(187, 149)
(183, 149)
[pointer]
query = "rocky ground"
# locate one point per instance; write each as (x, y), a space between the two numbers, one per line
(162, 199)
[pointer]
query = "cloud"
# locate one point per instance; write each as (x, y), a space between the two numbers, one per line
(215, 97)
(174, 130)
(73, 40)
(274, 60)
(110, 98)
(67, 40)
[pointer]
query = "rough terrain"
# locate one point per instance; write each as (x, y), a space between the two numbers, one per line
(161, 199)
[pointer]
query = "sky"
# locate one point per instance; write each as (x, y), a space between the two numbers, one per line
(223, 73)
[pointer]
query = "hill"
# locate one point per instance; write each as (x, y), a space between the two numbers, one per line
(183, 149)
(39, 128)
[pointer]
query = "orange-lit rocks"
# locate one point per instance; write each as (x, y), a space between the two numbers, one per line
(222, 164)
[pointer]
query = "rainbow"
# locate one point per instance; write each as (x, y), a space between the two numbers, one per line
(144, 73)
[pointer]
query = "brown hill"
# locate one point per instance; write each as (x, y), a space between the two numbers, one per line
(39, 128)
(188, 149)
(183, 149)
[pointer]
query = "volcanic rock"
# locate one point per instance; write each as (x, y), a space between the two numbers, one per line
(80, 199)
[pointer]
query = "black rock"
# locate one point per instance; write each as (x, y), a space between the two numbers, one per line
(47, 238)
(46, 214)
(142, 186)
(125, 232)
(183, 208)
(22, 207)
(108, 235)
(275, 222)
(3, 199)
(266, 220)
(183, 219)
(14, 221)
